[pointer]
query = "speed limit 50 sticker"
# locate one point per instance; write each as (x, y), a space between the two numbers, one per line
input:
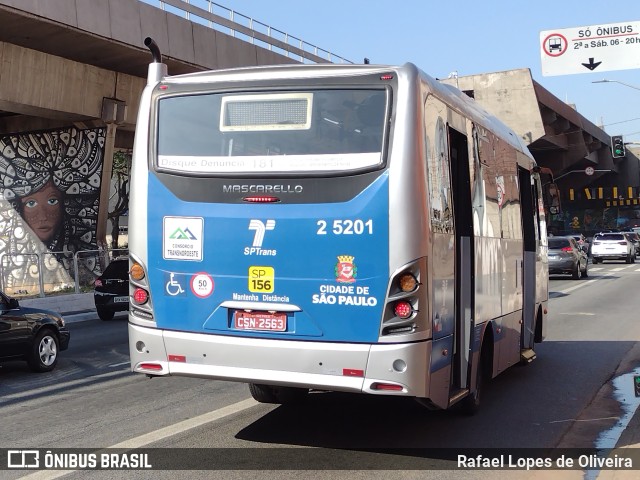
(202, 285)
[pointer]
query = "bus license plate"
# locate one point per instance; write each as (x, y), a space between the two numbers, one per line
(121, 300)
(263, 321)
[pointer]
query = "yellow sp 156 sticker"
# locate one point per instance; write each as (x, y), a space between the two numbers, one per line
(261, 279)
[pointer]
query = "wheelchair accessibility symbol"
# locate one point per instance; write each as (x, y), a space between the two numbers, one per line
(173, 287)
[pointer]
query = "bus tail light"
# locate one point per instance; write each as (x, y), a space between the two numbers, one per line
(407, 282)
(261, 199)
(136, 272)
(140, 296)
(403, 309)
(403, 314)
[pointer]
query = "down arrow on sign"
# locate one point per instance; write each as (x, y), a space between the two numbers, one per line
(591, 65)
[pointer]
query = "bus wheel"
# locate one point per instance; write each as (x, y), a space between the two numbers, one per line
(278, 395)
(290, 395)
(471, 404)
(262, 393)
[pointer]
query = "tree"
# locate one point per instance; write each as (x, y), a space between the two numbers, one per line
(120, 182)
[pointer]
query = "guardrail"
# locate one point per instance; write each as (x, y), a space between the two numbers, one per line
(225, 20)
(54, 277)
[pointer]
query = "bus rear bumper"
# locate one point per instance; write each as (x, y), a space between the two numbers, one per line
(390, 369)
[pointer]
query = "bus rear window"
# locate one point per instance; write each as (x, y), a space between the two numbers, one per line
(274, 132)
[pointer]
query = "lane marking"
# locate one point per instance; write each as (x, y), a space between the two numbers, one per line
(65, 385)
(157, 435)
(120, 364)
(588, 282)
(580, 285)
(577, 313)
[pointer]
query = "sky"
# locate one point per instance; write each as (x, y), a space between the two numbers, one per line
(465, 36)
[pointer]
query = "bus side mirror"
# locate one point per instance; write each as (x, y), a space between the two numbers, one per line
(552, 198)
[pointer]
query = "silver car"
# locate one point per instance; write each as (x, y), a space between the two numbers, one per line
(566, 257)
(612, 246)
(635, 239)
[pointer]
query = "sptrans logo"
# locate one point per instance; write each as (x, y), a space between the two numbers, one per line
(260, 228)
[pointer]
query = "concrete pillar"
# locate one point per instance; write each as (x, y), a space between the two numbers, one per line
(113, 114)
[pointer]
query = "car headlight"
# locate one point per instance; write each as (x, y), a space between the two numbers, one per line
(60, 321)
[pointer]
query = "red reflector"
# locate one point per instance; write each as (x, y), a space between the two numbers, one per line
(261, 199)
(386, 386)
(387, 76)
(352, 372)
(140, 296)
(98, 282)
(163, 87)
(177, 358)
(151, 366)
(567, 249)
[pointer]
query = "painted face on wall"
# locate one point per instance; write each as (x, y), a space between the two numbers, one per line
(42, 211)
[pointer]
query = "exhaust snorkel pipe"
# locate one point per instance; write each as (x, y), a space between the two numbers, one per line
(157, 69)
(155, 50)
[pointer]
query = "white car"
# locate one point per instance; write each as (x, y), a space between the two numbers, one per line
(612, 246)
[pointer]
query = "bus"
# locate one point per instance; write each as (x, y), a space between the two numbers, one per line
(347, 228)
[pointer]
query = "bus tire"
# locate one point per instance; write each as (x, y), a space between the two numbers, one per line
(278, 395)
(262, 393)
(470, 405)
(290, 395)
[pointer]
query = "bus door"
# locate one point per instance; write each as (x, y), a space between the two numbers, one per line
(529, 231)
(465, 257)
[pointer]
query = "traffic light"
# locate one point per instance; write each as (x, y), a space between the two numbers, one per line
(617, 146)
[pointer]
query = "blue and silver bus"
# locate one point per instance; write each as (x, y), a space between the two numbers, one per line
(353, 228)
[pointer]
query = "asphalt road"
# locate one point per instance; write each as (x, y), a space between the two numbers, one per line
(93, 401)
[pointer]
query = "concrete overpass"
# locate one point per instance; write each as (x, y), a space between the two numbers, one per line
(71, 77)
(567, 143)
(60, 58)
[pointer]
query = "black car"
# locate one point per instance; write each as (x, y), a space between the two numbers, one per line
(31, 334)
(566, 257)
(111, 292)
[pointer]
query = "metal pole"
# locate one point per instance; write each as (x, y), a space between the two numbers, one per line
(76, 272)
(2, 271)
(40, 279)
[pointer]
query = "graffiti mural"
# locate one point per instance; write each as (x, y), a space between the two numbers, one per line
(49, 186)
